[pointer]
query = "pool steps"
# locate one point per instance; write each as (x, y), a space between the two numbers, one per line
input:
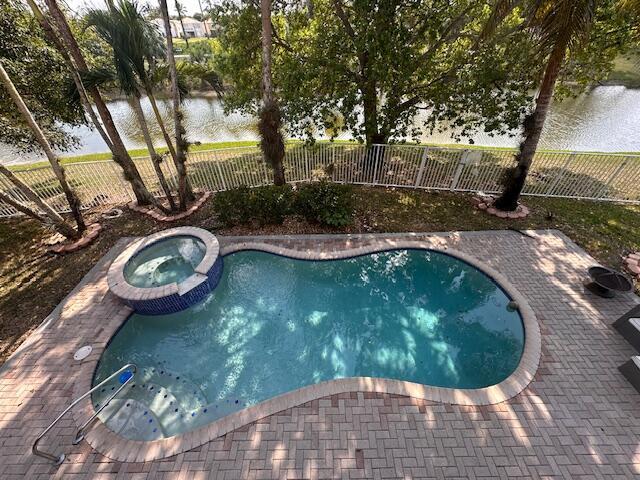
(171, 401)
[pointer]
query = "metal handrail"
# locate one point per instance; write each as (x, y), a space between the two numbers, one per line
(80, 435)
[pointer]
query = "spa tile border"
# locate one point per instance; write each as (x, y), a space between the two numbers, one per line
(115, 447)
(129, 293)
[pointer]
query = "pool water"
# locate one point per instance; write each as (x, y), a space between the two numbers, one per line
(275, 324)
(166, 261)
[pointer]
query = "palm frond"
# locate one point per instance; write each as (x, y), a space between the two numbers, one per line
(501, 10)
(564, 22)
(135, 42)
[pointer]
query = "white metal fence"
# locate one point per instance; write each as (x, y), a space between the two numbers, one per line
(595, 176)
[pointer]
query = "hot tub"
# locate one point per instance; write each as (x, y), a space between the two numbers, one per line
(168, 271)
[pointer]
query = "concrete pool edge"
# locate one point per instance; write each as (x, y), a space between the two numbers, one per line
(110, 444)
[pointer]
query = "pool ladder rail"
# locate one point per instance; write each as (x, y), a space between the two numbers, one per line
(129, 368)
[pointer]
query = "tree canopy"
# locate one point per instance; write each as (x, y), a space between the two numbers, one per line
(40, 76)
(372, 66)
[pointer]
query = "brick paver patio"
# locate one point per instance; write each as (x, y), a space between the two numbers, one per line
(579, 418)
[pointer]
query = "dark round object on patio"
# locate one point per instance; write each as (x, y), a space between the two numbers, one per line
(606, 282)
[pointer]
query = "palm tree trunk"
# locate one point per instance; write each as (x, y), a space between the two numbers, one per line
(155, 158)
(4, 198)
(271, 141)
(120, 154)
(159, 119)
(54, 217)
(184, 187)
(206, 28)
(72, 198)
(533, 124)
(184, 32)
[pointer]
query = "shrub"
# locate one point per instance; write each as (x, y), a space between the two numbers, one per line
(233, 207)
(322, 202)
(272, 203)
(326, 203)
(269, 204)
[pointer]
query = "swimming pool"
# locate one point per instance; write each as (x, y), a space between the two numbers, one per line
(275, 324)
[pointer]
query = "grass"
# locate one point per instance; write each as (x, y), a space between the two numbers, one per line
(138, 152)
(34, 282)
(141, 152)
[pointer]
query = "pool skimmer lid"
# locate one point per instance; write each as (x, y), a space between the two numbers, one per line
(82, 352)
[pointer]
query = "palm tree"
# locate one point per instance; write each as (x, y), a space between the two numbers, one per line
(559, 26)
(184, 187)
(72, 198)
(70, 49)
(134, 44)
(271, 141)
(180, 10)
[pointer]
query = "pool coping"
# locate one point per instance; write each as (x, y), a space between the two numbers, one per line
(113, 446)
(127, 292)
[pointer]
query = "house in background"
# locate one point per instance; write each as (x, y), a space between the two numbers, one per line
(192, 28)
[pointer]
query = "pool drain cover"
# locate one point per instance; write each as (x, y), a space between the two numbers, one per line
(82, 352)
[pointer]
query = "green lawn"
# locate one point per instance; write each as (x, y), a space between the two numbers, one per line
(140, 152)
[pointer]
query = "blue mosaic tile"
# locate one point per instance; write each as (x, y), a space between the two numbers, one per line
(175, 302)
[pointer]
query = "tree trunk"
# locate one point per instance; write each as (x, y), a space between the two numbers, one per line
(159, 119)
(54, 217)
(184, 32)
(184, 187)
(271, 142)
(155, 158)
(4, 198)
(206, 28)
(533, 124)
(120, 154)
(370, 113)
(72, 198)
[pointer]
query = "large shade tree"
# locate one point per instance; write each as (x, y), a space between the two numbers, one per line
(371, 66)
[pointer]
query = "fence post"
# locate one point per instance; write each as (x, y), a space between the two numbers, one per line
(377, 149)
(556, 180)
(219, 169)
(423, 162)
(459, 169)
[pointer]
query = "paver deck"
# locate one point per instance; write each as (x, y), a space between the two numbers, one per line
(579, 418)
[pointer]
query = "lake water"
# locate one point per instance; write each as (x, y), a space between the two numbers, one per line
(606, 119)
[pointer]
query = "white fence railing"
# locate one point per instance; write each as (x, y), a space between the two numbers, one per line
(595, 176)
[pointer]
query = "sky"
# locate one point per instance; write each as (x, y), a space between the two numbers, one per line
(191, 6)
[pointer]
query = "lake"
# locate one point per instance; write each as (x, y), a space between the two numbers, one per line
(605, 119)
